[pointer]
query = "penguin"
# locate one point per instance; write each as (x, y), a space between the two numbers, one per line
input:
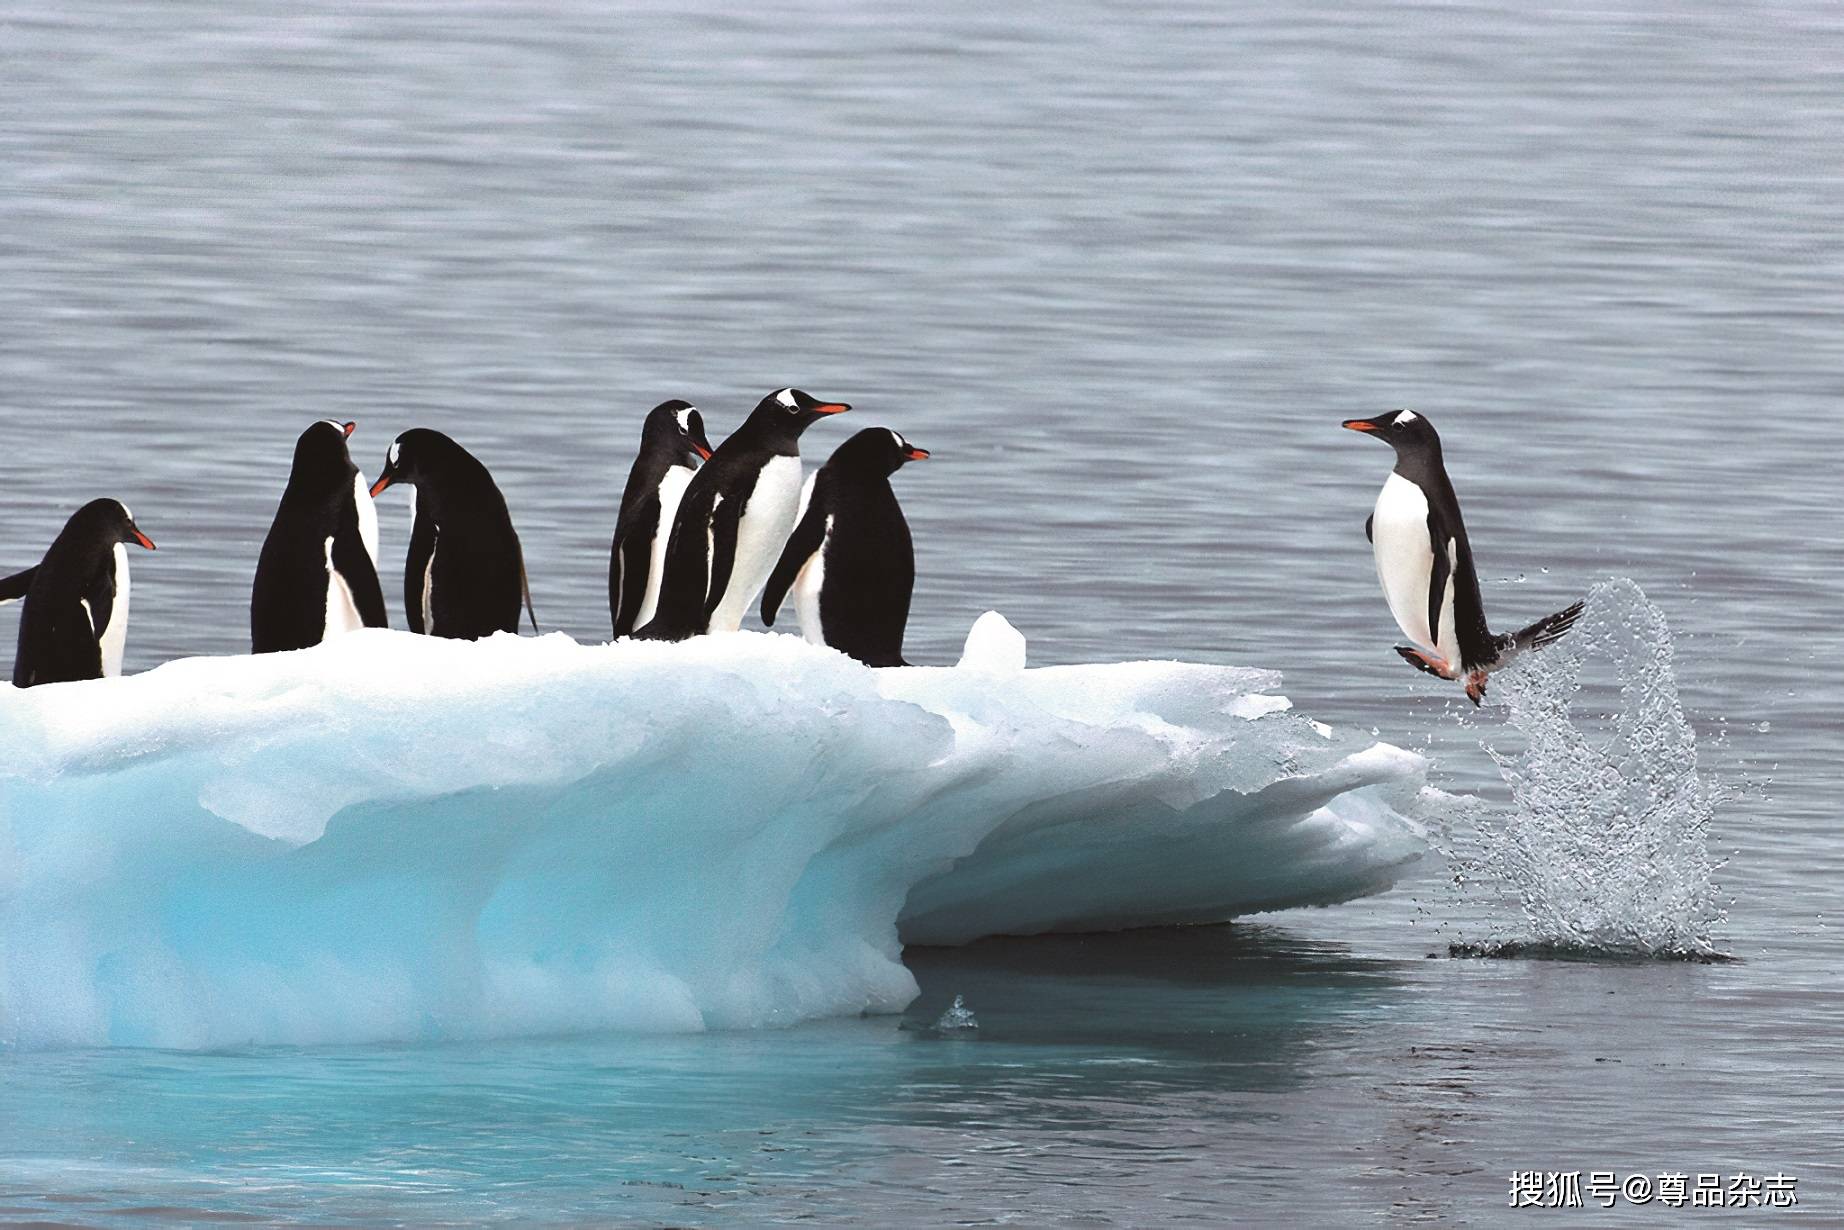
(734, 519)
(75, 622)
(318, 572)
(1425, 564)
(672, 447)
(465, 574)
(850, 561)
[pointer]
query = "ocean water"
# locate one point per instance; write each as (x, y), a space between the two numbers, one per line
(1123, 271)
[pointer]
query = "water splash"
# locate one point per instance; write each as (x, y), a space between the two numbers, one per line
(958, 1019)
(1605, 844)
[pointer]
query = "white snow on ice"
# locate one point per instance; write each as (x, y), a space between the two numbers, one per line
(400, 837)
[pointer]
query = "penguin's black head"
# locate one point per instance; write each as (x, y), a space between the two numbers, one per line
(321, 458)
(876, 450)
(103, 523)
(677, 428)
(796, 408)
(1403, 430)
(414, 456)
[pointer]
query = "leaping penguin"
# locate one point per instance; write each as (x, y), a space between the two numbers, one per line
(318, 572)
(75, 624)
(465, 574)
(672, 447)
(1426, 564)
(734, 520)
(850, 561)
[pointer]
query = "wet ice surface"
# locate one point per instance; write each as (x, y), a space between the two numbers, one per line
(392, 837)
(1123, 274)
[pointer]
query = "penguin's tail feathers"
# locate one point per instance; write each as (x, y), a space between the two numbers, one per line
(1542, 634)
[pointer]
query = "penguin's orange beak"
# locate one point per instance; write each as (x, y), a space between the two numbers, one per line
(917, 454)
(1360, 425)
(384, 480)
(143, 539)
(349, 428)
(704, 454)
(831, 407)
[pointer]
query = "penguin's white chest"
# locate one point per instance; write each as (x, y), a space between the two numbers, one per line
(114, 638)
(1405, 565)
(767, 520)
(342, 608)
(671, 491)
(807, 587)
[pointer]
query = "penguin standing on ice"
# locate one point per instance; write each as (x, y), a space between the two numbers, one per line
(672, 446)
(1426, 564)
(465, 574)
(75, 624)
(734, 519)
(318, 572)
(850, 561)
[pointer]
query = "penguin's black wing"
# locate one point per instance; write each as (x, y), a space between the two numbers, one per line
(726, 522)
(629, 561)
(13, 588)
(416, 568)
(1370, 528)
(1453, 558)
(100, 593)
(353, 562)
(686, 575)
(807, 538)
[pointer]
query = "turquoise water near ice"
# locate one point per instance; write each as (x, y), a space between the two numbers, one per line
(1123, 272)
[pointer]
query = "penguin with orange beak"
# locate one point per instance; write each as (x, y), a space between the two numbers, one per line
(464, 576)
(672, 447)
(734, 520)
(850, 562)
(75, 623)
(317, 575)
(1425, 564)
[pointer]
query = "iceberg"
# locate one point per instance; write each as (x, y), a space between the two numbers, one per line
(395, 837)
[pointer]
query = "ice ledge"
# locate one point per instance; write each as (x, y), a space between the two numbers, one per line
(394, 836)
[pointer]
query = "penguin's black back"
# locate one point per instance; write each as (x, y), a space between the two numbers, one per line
(59, 641)
(870, 566)
(854, 519)
(477, 580)
(288, 599)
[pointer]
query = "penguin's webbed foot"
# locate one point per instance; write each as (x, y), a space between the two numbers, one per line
(1425, 662)
(1475, 688)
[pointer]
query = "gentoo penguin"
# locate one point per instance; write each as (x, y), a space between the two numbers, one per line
(734, 519)
(465, 575)
(75, 623)
(1426, 564)
(672, 446)
(318, 572)
(850, 560)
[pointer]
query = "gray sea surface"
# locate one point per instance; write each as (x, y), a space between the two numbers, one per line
(1123, 269)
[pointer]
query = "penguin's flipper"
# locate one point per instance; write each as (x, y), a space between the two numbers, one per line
(726, 523)
(525, 586)
(100, 603)
(1370, 535)
(352, 560)
(416, 569)
(1440, 571)
(807, 538)
(13, 588)
(629, 559)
